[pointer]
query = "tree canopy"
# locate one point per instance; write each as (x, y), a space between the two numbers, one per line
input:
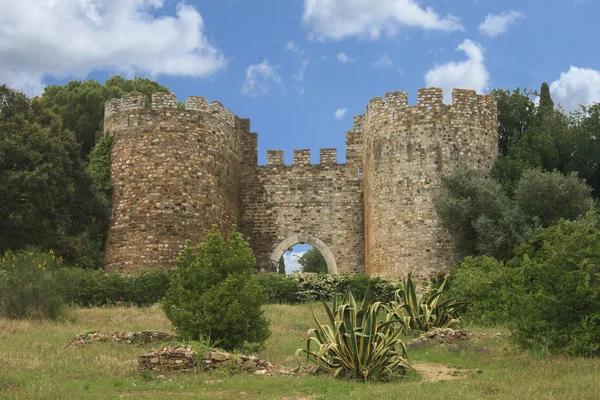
(313, 261)
(80, 104)
(47, 199)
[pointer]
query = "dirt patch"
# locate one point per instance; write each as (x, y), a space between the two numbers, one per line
(434, 372)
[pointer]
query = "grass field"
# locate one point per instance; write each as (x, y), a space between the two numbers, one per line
(34, 363)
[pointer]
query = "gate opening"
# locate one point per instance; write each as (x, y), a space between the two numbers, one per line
(302, 258)
(297, 243)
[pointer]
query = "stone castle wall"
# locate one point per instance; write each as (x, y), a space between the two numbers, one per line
(321, 200)
(178, 171)
(175, 172)
(405, 151)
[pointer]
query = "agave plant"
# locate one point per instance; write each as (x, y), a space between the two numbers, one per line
(421, 312)
(354, 343)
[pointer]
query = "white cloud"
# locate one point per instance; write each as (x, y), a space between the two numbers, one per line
(71, 38)
(469, 74)
(299, 76)
(294, 48)
(260, 79)
(291, 261)
(495, 25)
(576, 86)
(383, 61)
(344, 59)
(340, 113)
(339, 19)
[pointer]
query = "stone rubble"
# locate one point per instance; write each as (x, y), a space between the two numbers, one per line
(450, 336)
(185, 359)
(141, 337)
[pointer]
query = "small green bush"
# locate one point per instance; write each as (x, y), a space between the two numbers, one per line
(27, 289)
(214, 293)
(483, 283)
(557, 301)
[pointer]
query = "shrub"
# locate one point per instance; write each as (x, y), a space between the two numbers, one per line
(279, 288)
(557, 302)
(483, 283)
(88, 288)
(317, 287)
(27, 289)
(354, 343)
(99, 165)
(214, 293)
(420, 312)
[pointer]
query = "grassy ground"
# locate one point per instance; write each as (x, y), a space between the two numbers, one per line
(34, 363)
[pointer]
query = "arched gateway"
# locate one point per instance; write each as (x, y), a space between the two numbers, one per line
(299, 238)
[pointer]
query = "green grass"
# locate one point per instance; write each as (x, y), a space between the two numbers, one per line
(34, 363)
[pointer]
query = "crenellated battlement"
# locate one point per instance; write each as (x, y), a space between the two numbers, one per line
(302, 158)
(466, 106)
(119, 113)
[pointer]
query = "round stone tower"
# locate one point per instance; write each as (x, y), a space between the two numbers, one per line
(175, 172)
(405, 150)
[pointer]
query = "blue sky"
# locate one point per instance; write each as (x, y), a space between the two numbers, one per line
(300, 69)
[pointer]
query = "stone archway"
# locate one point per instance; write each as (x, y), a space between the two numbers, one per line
(298, 238)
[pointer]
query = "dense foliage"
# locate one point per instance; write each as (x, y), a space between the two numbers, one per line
(485, 220)
(313, 261)
(99, 165)
(47, 199)
(214, 294)
(27, 286)
(310, 286)
(80, 104)
(354, 343)
(557, 286)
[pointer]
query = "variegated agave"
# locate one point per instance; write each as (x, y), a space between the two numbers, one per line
(354, 343)
(421, 312)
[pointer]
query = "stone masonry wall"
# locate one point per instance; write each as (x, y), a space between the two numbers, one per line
(323, 200)
(175, 172)
(178, 171)
(405, 151)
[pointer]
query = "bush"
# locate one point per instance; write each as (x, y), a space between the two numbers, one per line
(88, 288)
(214, 294)
(557, 302)
(279, 288)
(483, 284)
(354, 343)
(27, 289)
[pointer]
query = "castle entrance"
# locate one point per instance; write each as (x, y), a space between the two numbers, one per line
(303, 238)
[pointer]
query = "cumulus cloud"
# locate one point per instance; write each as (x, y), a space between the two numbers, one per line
(495, 25)
(260, 79)
(71, 38)
(383, 61)
(294, 48)
(291, 261)
(468, 74)
(576, 86)
(344, 59)
(339, 19)
(340, 113)
(299, 76)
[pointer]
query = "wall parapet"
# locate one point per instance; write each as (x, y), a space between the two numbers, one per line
(303, 158)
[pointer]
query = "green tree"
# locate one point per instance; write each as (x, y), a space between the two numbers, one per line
(47, 199)
(313, 261)
(586, 154)
(281, 266)
(214, 293)
(80, 104)
(484, 220)
(516, 113)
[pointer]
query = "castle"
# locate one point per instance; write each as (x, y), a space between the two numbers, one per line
(178, 171)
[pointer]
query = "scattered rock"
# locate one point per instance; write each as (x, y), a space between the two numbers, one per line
(184, 359)
(449, 336)
(141, 337)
